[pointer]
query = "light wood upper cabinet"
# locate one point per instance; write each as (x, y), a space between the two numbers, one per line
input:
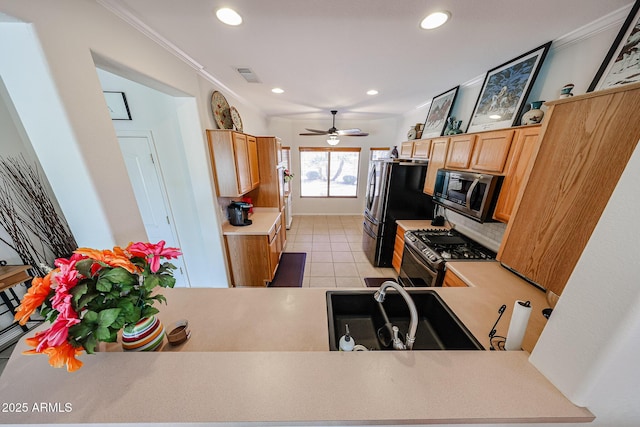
(254, 170)
(421, 148)
(523, 147)
(437, 158)
(585, 144)
(491, 151)
(234, 162)
(270, 193)
(406, 150)
(460, 150)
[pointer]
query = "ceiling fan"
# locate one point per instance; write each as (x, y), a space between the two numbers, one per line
(335, 132)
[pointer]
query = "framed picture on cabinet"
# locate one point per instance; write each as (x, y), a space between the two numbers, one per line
(622, 63)
(438, 114)
(504, 91)
(117, 105)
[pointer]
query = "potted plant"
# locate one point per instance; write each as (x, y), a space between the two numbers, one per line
(89, 297)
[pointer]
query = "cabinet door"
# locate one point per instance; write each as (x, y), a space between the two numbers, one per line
(585, 144)
(421, 148)
(406, 150)
(524, 145)
(460, 150)
(252, 153)
(491, 151)
(451, 280)
(241, 158)
(436, 161)
(275, 249)
(398, 249)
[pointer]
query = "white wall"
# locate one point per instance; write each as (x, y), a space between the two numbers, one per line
(53, 60)
(381, 134)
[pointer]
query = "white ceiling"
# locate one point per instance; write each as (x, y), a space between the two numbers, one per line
(326, 54)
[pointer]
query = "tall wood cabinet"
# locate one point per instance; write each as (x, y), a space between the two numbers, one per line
(585, 144)
(234, 158)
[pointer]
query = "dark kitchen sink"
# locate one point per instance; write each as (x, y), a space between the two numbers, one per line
(438, 326)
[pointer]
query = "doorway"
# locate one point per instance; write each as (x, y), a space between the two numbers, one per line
(138, 151)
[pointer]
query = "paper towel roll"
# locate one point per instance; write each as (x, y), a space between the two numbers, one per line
(518, 325)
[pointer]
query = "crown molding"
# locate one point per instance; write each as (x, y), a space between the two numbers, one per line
(127, 16)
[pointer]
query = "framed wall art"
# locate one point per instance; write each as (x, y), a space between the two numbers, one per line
(438, 114)
(504, 91)
(117, 105)
(622, 63)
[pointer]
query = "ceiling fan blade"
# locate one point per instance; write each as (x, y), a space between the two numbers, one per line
(320, 132)
(313, 134)
(353, 131)
(357, 134)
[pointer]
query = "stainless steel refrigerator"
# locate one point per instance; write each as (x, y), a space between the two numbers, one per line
(394, 191)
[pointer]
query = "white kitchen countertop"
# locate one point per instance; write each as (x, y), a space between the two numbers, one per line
(261, 356)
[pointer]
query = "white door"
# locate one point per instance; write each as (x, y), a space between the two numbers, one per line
(148, 187)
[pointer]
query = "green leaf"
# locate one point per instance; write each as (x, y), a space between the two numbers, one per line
(102, 333)
(84, 267)
(107, 317)
(78, 291)
(90, 317)
(148, 311)
(151, 282)
(86, 299)
(159, 298)
(103, 285)
(118, 275)
(80, 330)
(167, 281)
(90, 344)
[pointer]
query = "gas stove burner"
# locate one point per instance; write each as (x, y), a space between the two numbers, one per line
(438, 246)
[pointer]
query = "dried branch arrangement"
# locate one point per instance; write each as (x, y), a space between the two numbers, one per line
(39, 234)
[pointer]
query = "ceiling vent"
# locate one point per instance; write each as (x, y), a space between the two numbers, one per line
(248, 75)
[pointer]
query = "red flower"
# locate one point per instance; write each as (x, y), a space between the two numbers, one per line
(153, 252)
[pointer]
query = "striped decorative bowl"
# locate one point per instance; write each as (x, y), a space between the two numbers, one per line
(146, 335)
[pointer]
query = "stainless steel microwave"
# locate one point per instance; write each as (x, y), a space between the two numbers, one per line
(468, 193)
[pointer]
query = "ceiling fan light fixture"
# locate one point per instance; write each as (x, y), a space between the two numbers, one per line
(333, 140)
(229, 16)
(435, 20)
(372, 92)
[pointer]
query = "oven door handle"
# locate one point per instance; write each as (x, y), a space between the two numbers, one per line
(472, 188)
(419, 261)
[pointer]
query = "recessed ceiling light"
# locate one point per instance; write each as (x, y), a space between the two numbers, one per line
(435, 20)
(372, 92)
(229, 16)
(277, 90)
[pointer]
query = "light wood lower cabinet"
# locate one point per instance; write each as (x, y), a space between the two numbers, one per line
(452, 280)
(254, 259)
(398, 249)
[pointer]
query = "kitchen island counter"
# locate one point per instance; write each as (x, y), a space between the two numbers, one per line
(261, 356)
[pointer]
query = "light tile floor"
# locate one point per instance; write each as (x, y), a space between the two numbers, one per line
(333, 244)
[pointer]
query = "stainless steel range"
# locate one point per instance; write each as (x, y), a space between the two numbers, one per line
(427, 251)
